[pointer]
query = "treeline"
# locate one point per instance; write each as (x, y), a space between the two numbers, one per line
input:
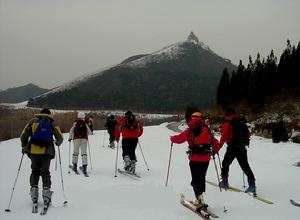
(261, 78)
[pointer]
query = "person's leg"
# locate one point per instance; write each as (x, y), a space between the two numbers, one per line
(244, 164)
(126, 152)
(83, 148)
(228, 158)
(46, 177)
(76, 144)
(45, 173)
(34, 177)
(198, 173)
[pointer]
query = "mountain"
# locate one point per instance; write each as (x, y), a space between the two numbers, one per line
(21, 93)
(166, 80)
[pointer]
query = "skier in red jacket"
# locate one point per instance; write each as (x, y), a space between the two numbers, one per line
(201, 145)
(236, 148)
(131, 129)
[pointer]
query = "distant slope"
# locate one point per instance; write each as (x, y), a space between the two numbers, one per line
(20, 94)
(165, 80)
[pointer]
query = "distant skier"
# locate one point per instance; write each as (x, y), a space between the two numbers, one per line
(38, 143)
(110, 124)
(79, 134)
(201, 145)
(235, 133)
(131, 129)
(91, 124)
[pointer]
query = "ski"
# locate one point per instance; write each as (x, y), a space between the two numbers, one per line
(85, 174)
(128, 173)
(234, 189)
(204, 213)
(45, 209)
(76, 172)
(213, 215)
(35, 207)
(294, 203)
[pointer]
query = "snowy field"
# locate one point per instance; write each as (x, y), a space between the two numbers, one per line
(103, 196)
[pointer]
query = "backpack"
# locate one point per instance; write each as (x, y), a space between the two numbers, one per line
(80, 129)
(240, 131)
(130, 122)
(199, 136)
(43, 135)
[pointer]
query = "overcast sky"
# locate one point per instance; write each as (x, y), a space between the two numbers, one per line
(50, 42)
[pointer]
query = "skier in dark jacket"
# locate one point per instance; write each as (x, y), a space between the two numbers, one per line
(110, 124)
(40, 152)
(233, 151)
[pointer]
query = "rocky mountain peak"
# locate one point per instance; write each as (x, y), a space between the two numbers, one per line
(193, 38)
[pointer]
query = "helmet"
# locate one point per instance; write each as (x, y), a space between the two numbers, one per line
(196, 115)
(81, 115)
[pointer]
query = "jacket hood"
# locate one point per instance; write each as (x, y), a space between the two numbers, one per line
(40, 115)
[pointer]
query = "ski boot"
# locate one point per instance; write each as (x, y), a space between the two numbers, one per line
(131, 168)
(127, 162)
(84, 168)
(34, 193)
(251, 188)
(47, 195)
(199, 203)
(224, 182)
(74, 167)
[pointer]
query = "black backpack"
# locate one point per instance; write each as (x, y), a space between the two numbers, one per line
(130, 122)
(240, 132)
(43, 135)
(80, 129)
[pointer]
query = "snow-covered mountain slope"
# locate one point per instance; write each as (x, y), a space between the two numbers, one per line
(103, 196)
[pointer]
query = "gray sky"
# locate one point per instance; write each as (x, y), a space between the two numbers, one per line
(50, 42)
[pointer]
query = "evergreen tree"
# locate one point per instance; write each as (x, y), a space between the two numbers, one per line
(224, 90)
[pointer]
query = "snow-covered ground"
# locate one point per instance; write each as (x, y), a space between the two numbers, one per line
(103, 196)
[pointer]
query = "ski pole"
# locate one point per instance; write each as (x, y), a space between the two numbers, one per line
(55, 163)
(169, 164)
(116, 164)
(104, 132)
(12, 192)
(90, 156)
(218, 177)
(61, 177)
(244, 185)
(69, 157)
(143, 156)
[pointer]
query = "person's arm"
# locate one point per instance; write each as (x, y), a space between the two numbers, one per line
(58, 135)
(225, 133)
(180, 138)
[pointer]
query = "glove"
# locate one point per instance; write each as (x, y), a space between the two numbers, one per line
(23, 151)
(172, 139)
(69, 139)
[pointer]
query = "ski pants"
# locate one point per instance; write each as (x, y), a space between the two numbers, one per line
(80, 144)
(198, 172)
(40, 164)
(111, 137)
(240, 153)
(128, 147)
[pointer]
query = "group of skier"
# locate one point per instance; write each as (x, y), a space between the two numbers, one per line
(38, 143)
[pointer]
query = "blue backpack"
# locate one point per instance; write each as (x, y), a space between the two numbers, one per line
(43, 135)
